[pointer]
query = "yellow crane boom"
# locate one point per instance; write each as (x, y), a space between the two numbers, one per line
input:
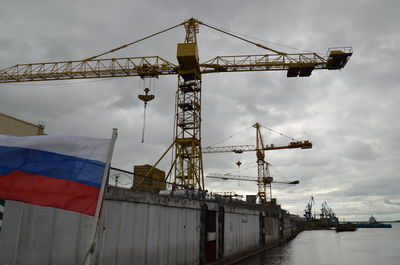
(300, 64)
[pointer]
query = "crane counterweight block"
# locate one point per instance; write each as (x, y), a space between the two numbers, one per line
(338, 57)
(302, 145)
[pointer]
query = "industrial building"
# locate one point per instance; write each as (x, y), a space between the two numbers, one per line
(17, 127)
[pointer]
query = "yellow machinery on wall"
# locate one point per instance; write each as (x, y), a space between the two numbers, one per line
(187, 166)
(153, 182)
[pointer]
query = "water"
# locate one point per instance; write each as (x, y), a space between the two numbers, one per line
(366, 246)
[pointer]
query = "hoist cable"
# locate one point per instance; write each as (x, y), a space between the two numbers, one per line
(144, 121)
(243, 39)
(270, 42)
(284, 135)
(223, 140)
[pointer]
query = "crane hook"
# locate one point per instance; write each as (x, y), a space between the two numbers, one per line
(146, 97)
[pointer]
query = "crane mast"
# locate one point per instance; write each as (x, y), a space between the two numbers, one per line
(188, 164)
(262, 167)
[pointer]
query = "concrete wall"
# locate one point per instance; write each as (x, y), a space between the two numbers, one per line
(138, 233)
(136, 228)
(13, 126)
(131, 233)
(286, 226)
(271, 230)
(42, 235)
(242, 231)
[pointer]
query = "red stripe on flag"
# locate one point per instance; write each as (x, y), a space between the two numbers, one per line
(47, 191)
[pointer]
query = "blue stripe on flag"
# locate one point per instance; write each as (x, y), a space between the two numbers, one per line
(50, 164)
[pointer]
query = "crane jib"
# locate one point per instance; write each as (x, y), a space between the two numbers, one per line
(295, 64)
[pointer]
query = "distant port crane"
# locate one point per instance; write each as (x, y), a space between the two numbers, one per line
(308, 211)
(327, 213)
(187, 165)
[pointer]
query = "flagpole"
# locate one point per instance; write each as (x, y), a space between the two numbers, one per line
(89, 253)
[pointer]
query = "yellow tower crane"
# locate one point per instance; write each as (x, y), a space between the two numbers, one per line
(187, 164)
(264, 179)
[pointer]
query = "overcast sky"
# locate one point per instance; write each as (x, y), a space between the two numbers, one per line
(351, 116)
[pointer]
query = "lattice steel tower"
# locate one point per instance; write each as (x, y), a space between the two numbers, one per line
(188, 164)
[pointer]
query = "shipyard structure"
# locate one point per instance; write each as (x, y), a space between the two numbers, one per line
(183, 224)
(182, 227)
(144, 224)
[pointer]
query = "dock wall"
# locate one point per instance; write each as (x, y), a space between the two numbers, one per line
(241, 232)
(140, 228)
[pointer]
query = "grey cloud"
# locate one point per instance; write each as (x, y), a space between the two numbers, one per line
(394, 203)
(358, 150)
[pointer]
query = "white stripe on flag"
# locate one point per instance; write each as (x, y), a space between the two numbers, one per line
(78, 146)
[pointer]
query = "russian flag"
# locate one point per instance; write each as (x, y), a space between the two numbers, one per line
(52, 170)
